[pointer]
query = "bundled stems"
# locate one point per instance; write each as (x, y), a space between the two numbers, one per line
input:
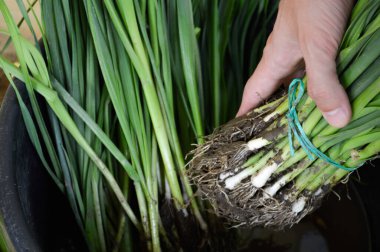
(128, 87)
(253, 178)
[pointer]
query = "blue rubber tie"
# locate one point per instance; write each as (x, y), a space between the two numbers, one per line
(295, 128)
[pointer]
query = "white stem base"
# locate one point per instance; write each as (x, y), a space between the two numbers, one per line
(257, 144)
(262, 177)
(299, 205)
(273, 189)
(235, 180)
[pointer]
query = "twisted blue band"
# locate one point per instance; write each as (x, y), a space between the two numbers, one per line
(295, 128)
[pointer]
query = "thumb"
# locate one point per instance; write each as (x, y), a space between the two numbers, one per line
(325, 89)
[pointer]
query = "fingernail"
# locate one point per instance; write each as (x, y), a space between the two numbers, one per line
(337, 117)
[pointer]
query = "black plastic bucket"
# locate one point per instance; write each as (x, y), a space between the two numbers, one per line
(37, 216)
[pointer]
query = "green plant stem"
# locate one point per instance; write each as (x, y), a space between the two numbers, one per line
(141, 64)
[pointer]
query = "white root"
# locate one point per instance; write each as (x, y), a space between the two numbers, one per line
(224, 175)
(257, 143)
(268, 117)
(264, 174)
(273, 189)
(299, 205)
(257, 181)
(231, 182)
(318, 192)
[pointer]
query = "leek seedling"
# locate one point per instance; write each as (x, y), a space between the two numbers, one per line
(127, 86)
(246, 168)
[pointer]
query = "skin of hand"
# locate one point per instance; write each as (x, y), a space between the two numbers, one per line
(306, 35)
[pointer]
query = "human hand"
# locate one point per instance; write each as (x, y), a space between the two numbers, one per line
(306, 35)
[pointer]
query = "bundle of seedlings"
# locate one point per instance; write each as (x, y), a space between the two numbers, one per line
(274, 165)
(128, 86)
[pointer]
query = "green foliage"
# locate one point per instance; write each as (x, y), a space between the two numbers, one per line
(129, 86)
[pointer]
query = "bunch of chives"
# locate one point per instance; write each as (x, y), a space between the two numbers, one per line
(246, 168)
(126, 89)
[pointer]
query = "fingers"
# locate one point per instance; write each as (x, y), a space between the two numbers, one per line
(259, 86)
(276, 64)
(324, 86)
(311, 33)
(321, 28)
(298, 74)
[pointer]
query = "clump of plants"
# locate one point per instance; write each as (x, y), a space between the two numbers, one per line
(274, 165)
(129, 85)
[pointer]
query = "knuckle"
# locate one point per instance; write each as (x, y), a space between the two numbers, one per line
(281, 57)
(322, 47)
(276, 60)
